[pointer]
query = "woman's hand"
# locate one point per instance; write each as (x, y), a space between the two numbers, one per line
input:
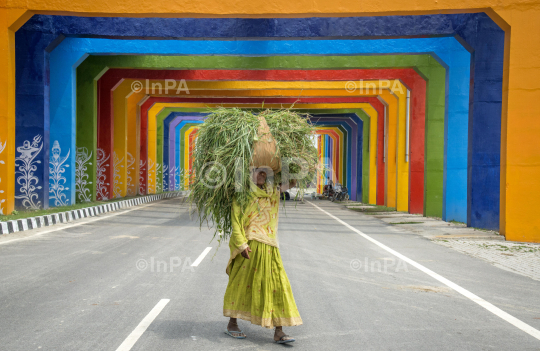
(246, 252)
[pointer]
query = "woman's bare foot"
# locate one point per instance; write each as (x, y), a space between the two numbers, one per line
(282, 338)
(234, 329)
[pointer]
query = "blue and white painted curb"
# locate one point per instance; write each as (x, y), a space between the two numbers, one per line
(20, 225)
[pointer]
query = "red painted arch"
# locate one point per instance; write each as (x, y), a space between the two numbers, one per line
(409, 77)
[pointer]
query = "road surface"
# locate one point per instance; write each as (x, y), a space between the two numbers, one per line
(144, 279)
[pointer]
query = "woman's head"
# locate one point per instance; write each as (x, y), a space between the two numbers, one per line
(259, 177)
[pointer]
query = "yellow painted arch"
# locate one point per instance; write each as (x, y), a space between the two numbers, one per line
(370, 111)
(152, 138)
(186, 152)
(368, 87)
(373, 130)
(334, 86)
(335, 153)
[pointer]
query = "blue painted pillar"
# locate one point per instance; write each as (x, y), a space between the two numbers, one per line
(31, 123)
(63, 121)
(484, 164)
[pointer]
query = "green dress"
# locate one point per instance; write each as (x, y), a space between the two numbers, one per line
(258, 289)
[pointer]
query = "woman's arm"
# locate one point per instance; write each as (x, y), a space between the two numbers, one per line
(238, 241)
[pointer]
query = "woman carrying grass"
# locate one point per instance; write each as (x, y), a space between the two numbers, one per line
(242, 205)
(258, 289)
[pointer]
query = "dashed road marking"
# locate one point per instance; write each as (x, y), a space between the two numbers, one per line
(201, 257)
(143, 325)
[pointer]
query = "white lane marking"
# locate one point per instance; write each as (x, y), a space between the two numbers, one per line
(73, 225)
(488, 306)
(141, 328)
(201, 257)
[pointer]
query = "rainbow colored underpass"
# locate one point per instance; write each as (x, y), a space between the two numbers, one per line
(105, 108)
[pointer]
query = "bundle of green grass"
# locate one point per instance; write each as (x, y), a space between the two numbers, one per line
(223, 156)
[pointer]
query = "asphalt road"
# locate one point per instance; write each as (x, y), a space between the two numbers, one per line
(95, 285)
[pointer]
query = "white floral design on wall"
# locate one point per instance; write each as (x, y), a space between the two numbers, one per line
(165, 177)
(102, 191)
(142, 186)
(57, 181)
(81, 175)
(158, 184)
(151, 176)
(25, 166)
(117, 190)
(172, 183)
(2, 147)
(131, 187)
(176, 178)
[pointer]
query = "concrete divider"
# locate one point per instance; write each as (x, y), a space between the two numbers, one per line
(24, 224)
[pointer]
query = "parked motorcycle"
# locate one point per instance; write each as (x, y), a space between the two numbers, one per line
(341, 193)
(328, 191)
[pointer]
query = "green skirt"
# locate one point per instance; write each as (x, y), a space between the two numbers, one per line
(259, 290)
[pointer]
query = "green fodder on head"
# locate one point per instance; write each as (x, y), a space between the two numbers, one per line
(222, 155)
(223, 147)
(293, 133)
